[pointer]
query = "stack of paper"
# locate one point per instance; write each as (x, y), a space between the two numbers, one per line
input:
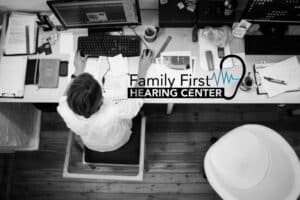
(21, 34)
(286, 73)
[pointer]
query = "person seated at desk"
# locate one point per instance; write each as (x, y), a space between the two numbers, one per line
(101, 124)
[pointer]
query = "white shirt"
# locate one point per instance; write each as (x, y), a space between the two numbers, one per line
(106, 130)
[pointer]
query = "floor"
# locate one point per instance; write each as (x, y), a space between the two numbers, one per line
(175, 146)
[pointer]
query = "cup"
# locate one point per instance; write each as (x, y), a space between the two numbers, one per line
(151, 33)
(247, 83)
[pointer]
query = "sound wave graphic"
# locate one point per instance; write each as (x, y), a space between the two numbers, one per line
(226, 78)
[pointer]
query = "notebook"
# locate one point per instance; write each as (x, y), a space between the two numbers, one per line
(21, 34)
(48, 73)
(12, 76)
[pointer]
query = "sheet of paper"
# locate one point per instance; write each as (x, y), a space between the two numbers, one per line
(66, 43)
(115, 87)
(206, 45)
(16, 41)
(179, 60)
(118, 65)
(157, 70)
(12, 75)
(287, 71)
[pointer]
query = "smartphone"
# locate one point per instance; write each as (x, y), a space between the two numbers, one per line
(63, 68)
(221, 52)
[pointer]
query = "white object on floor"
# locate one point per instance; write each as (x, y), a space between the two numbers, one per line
(253, 162)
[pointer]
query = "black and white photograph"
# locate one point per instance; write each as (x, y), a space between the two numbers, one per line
(150, 99)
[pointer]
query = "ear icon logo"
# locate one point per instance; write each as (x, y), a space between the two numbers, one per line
(243, 65)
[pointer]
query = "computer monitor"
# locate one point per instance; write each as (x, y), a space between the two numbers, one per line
(273, 15)
(96, 13)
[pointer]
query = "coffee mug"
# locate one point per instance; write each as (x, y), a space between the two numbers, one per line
(247, 83)
(151, 33)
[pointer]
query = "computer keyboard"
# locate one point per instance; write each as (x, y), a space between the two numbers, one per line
(264, 45)
(109, 45)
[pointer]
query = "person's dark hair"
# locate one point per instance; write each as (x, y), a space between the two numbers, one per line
(84, 95)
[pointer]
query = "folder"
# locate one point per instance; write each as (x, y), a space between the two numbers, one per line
(12, 76)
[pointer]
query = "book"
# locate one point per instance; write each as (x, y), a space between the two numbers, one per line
(48, 73)
(12, 76)
(21, 34)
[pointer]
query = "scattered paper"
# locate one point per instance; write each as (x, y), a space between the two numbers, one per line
(118, 65)
(12, 76)
(115, 87)
(287, 71)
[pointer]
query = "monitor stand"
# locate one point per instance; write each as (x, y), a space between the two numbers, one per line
(104, 30)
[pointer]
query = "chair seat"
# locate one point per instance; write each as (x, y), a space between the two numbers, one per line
(253, 162)
(127, 154)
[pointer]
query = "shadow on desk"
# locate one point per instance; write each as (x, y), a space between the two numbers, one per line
(46, 107)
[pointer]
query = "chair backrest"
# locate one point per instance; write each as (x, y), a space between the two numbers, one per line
(253, 162)
(75, 168)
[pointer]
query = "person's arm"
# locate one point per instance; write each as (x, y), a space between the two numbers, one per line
(79, 63)
(144, 64)
(128, 109)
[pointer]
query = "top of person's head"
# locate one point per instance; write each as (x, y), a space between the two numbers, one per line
(84, 95)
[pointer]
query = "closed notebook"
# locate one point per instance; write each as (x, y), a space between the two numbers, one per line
(48, 73)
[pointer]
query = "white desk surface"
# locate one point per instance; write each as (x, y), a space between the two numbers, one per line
(181, 40)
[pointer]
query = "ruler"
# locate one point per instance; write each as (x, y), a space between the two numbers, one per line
(164, 46)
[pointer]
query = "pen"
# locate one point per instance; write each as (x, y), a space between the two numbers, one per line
(275, 80)
(27, 39)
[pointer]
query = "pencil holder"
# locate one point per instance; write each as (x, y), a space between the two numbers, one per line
(150, 34)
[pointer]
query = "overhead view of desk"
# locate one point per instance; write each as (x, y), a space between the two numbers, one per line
(181, 40)
(251, 139)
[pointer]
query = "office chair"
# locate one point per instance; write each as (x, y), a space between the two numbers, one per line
(125, 163)
(253, 162)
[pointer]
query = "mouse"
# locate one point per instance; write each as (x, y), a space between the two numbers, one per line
(210, 60)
